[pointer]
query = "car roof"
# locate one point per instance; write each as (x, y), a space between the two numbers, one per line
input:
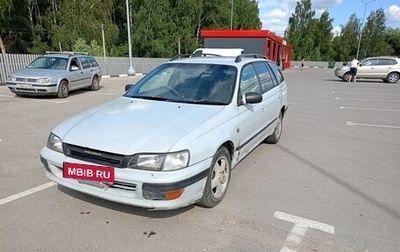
(223, 60)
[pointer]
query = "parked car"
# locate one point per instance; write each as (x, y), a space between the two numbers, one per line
(172, 139)
(56, 73)
(384, 68)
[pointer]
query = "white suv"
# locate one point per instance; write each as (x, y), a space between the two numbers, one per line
(384, 68)
(172, 139)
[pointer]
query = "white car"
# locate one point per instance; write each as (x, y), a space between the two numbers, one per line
(172, 139)
(385, 68)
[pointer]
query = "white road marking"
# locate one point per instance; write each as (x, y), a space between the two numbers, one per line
(350, 123)
(335, 92)
(354, 99)
(25, 193)
(299, 229)
(104, 93)
(373, 109)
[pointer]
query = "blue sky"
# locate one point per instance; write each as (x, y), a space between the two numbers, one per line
(275, 14)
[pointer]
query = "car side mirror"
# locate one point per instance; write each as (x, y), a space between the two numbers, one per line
(344, 63)
(251, 98)
(128, 86)
(360, 65)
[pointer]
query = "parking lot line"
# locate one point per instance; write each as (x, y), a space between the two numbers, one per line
(350, 123)
(372, 109)
(336, 92)
(25, 193)
(356, 99)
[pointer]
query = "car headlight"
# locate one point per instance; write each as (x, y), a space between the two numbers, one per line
(43, 80)
(160, 162)
(54, 143)
(11, 78)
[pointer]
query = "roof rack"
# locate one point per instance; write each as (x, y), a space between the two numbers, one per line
(67, 52)
(180, 56)
(250, 55)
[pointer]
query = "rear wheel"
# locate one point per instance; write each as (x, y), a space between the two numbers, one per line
(218, 179)
(95, 84)
(274, 138)
(63, 90)
(392, 77)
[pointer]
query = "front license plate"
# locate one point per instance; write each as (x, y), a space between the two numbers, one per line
(24, 85)
(88, 172)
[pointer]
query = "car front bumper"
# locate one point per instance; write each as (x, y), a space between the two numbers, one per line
(32, 89)
(134, 187)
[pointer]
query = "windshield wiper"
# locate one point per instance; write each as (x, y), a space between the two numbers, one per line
(154, 98)
(204, 101)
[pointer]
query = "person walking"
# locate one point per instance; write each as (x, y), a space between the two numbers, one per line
(353, 70)
(302, 64)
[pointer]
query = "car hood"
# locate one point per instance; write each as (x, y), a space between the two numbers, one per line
(127, 126)
(36, 72)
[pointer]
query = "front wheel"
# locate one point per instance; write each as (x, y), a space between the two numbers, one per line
(392, 77)
(346, 76)
(63, 89)
(276, 135)
(218, 179)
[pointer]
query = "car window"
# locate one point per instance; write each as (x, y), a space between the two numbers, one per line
(181, 82)
(75, 63)
(277, 72)
(386, 62)
(249, 80)
(49, 63)
(84, 62)
(264, 73)
(92, 61)
(370, 62)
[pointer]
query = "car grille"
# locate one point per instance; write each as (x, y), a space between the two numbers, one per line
(95, 156)
(25, 79)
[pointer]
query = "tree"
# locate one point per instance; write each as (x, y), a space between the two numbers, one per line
(373, 36)
(299, 27)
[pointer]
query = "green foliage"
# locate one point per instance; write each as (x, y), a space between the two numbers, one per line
(164, 28)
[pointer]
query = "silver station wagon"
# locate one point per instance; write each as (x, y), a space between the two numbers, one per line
(172, 139)
(56, 73)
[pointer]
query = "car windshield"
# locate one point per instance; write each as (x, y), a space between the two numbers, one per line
(49, 63)
(187, 83)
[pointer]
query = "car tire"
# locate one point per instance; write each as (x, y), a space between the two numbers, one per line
(276, 135)
(63, 90)
(346, 76)
(95, 84)
(392, 77)
(218, 179)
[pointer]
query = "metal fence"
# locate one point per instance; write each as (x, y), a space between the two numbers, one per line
(112, 66)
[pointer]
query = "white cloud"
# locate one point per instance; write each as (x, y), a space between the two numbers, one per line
(337, 30)
(393, 13)
(275, 14)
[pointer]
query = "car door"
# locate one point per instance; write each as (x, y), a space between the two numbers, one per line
(87, 71)
(251, 121)
(75, 74)
(384, 67)
(368, 69)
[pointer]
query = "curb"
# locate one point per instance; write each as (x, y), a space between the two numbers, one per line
(121, 75)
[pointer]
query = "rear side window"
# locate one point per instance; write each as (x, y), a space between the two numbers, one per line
(264, 73)
(386, 62)
(84, 62)
(277, 72)
(92, 61)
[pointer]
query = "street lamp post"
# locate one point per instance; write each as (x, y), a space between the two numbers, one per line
(231, 14)
(362, 24)
(131, 71)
